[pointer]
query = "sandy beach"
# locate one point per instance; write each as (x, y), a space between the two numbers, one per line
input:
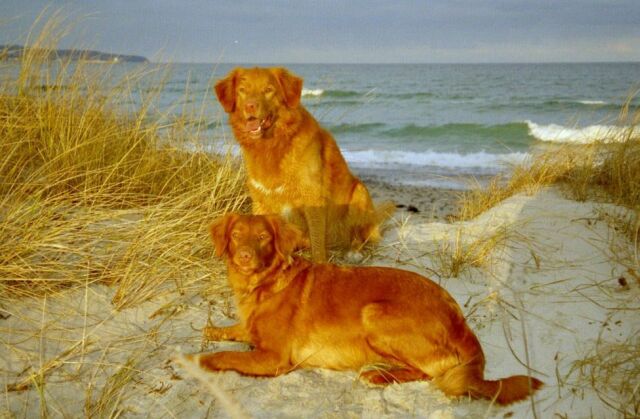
(556, 298)
(419, 196)
(419, 203)
(115, 161)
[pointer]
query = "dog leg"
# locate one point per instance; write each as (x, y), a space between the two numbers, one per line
(235, 333)
(399, 336)
(316, 218)
(394, 375)
(255, 363)
(363, 220)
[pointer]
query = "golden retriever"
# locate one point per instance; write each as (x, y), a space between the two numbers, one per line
(294, 166)
(298, 314)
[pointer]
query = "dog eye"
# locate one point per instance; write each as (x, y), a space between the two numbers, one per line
(242, 90)
(235, 235)
(268, 90)
(263, 236)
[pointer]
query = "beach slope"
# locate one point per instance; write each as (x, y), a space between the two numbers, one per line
(548, 285)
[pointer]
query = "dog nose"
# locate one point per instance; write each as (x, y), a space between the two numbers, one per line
(245, 255)
(251, 106)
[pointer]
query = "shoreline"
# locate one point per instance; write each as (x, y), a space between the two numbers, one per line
(422, 197)
(420, 203)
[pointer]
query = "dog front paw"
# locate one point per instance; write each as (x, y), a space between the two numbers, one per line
(212, 333)
(235, 333)
(354, 257)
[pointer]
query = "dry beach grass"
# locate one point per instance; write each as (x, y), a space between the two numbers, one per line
(91, 193)
(607, 169)
(105, 264)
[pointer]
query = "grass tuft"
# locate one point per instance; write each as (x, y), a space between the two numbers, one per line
(612, 370)
(460, 252)
(107, 403)
(92, 189)
(606, 169)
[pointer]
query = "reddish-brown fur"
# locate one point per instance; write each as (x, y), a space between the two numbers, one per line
(294, 166)
(298, 314)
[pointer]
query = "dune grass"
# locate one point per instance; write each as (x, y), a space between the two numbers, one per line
(91, 190)
(606, 169)
(458, 253)
(98, 187)
(612, 370)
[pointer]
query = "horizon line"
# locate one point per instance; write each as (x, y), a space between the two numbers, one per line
(393, 63)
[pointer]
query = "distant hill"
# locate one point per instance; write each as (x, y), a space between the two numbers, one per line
(12, 52)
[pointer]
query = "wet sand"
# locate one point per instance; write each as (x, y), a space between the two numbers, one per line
(421, 203)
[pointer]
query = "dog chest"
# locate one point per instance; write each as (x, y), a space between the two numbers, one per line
(272, 189)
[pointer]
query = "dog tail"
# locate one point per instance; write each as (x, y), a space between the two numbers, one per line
(465, 380)
(369, 225)
(506, 390)
(384, 211)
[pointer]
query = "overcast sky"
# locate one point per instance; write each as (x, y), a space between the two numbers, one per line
(368, 31)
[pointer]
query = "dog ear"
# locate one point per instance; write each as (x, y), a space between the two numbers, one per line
(219, 231)
(226, 91)
(291, 86)
(287, 237)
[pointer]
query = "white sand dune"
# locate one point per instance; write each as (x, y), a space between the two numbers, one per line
(550, 297)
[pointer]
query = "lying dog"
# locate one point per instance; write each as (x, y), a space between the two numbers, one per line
(294, 166)
(298, 314)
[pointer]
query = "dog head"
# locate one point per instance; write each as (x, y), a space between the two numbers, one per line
(256, 97)
(254, 243)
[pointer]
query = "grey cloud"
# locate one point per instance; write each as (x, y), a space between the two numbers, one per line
(354, 31)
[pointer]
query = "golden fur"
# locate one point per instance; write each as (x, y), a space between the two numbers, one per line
(294, 166)
(298, 314)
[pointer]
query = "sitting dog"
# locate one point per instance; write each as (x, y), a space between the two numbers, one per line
(294, 166)
(298, 314)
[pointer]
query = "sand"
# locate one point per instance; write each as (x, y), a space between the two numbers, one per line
(560, 287)
(420, 203)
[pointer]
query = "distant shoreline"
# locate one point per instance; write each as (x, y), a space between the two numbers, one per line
(16, 52)
(465, 63)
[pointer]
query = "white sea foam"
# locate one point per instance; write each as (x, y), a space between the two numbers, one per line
(388, 158)
(592, 102)
(592, 133)
(312, 92)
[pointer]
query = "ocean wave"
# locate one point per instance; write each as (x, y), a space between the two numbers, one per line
(504, 132)
(323, 104)
(336, 93)
(344, 93)
(312, 92)
(554, 105)
(416, 95)
(592, 102)
(355, 128)
(585, 135)
(354, 93)
(469, 135)
(387, 158)
(577, 104)
(332, 93)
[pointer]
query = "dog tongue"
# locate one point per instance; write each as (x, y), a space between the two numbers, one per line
(252, 124)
